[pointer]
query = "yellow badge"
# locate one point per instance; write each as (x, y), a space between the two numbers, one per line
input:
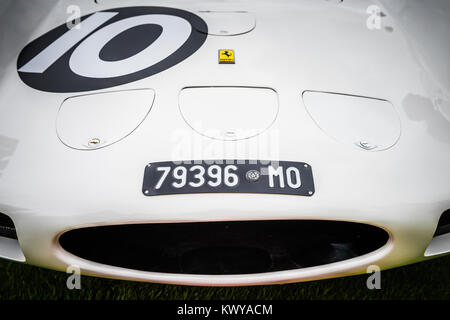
(226, 56)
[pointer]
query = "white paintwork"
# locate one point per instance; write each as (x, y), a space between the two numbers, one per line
(297, 46)
(439, 245)
(108, 117)
(354, 120)
(229, 113)
(223, 23)
(10, 249)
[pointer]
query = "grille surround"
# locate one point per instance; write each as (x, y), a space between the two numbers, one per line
(224, 248)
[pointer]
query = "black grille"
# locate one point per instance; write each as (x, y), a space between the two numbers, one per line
(7, 228)
(242, 247)
(443, 226)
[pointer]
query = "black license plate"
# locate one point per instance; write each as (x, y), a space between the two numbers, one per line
(228, 176)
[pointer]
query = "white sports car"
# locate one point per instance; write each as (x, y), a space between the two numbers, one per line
(224, 142)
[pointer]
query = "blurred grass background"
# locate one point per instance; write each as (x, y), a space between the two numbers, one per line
(425, 280)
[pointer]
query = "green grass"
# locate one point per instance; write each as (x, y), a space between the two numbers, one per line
(426, 280)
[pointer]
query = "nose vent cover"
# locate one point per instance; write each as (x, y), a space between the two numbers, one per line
(221, 248)
(226, 23)
(364, 123)
(229, 113)
(94, 121)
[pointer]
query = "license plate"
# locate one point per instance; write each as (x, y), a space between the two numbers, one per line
(228, 176)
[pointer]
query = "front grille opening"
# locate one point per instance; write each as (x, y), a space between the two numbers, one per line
(443, 226)
(221, 248)
(7, 228)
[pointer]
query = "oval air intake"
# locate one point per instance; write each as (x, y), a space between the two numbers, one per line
(220, 248)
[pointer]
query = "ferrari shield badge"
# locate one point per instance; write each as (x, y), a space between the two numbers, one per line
(226, 56)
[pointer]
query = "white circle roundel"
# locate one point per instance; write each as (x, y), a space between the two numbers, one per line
(110, 48)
